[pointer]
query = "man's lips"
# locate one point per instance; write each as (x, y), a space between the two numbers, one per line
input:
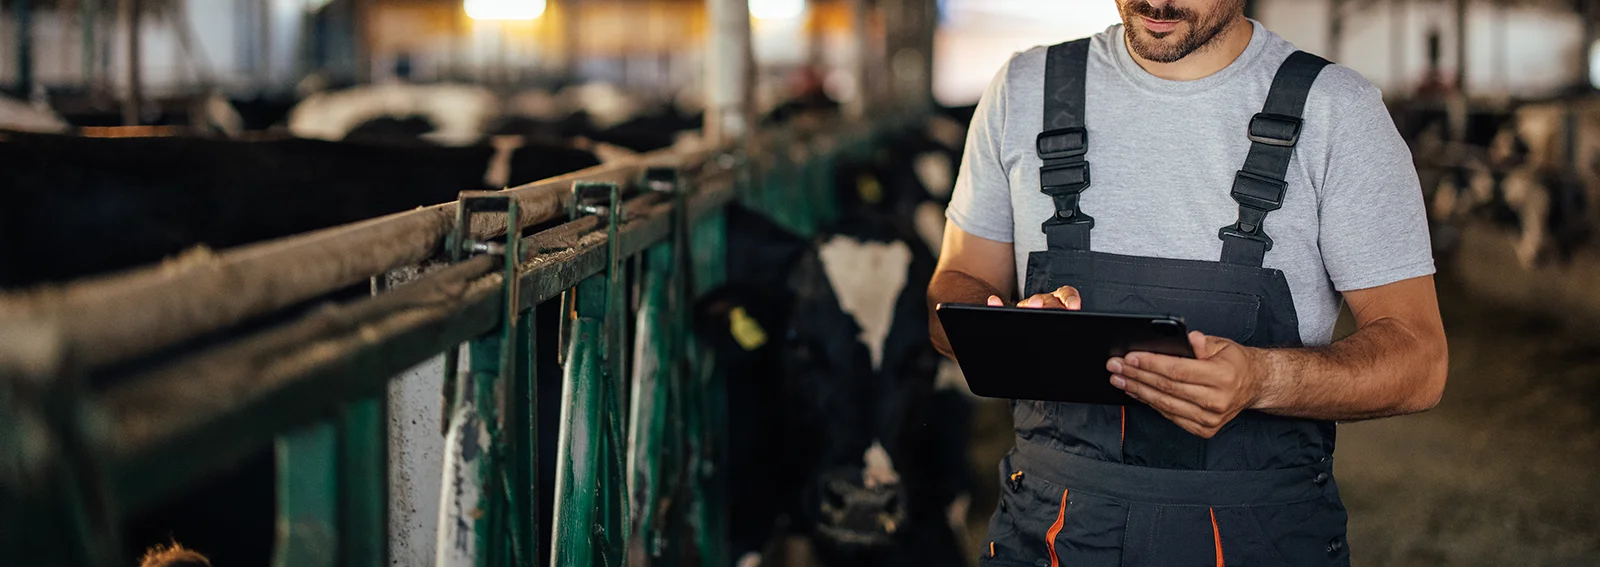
(1160, 26)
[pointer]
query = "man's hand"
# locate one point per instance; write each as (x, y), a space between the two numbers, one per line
(1064, 297)
(1202, 394)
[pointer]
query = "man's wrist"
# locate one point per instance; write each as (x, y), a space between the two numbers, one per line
(1266, 367)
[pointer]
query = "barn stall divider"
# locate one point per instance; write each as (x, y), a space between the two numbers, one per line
(124, 390)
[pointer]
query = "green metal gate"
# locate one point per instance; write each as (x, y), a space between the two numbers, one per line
(207, 360)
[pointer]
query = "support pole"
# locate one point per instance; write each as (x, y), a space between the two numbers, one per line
(728, 69)
(133, 102)
(860, 42)
(88, 14)
(1591, 34)
(1335, 28)
(23, 10)
(909, 36)
(1398, 12)
(1461, 48)
(361, 40)
(263, 62)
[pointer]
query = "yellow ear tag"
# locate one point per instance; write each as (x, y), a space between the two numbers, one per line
(746, 331)
(870, 190)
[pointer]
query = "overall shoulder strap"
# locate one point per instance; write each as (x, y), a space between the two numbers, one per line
(1259, 187)
(1063, 145)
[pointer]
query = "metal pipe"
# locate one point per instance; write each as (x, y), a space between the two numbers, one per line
(1461, 47)
(88, 14)
(23, 10)
(106, 320)
(133, 103)
(1335, 28)
(727, 66)
(909, 36)
(1591, 34)
(859, 42)
(1397, 47)
(166, 427)
(263, 62)
(1497, 49)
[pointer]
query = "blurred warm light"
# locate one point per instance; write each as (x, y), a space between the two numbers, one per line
(777, 9)
(504, 9)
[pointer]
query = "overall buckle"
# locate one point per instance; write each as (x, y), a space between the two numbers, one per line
(1258, 191)
(1057, 180)
(1255, 235)
(1062, 143)
(1275, 129)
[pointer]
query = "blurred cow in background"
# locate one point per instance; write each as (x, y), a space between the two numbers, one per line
(1540, 173)
(847, 429)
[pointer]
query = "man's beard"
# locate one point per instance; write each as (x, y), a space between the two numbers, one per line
(1201, 31)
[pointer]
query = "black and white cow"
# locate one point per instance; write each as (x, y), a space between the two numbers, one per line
(106, 204)
(596, 117)
(1538, 172)
(831, 377)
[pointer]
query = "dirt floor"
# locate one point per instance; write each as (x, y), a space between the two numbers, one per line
(1506, 471)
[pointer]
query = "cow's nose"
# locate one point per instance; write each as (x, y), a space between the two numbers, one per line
(855, 514)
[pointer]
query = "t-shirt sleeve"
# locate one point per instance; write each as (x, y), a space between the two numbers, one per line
(981, 202)
(1374, 227)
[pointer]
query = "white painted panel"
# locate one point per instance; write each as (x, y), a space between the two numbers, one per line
(416, 462)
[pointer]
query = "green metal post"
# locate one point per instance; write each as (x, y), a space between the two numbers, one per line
(523, 456)
(591, 469)
(577, 453)
(363, 495)
(703, 410)
(652, 379)
(484, 367)
(308, 482)
(481, 467)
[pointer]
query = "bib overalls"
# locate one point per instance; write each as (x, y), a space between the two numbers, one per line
(1098, 485)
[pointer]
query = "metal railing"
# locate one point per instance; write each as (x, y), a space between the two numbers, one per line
(120, 391)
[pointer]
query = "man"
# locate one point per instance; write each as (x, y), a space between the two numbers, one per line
(1245, 187)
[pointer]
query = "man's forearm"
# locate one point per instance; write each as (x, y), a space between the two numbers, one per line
(1387, 368)
(951, 286)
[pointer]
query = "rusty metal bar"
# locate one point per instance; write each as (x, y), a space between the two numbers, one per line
(105, 320)
(163, 421)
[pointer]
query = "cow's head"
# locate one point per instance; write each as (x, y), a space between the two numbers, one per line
(850, 346)
(857, 355)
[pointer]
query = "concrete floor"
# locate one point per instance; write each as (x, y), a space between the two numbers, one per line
(1506, 471)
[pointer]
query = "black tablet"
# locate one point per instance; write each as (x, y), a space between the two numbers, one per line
(1052, 354)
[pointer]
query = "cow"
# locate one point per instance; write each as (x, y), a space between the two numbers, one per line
(458, 114)
(825, 351)
(1538, 173)
(849, 429)
(111, 204)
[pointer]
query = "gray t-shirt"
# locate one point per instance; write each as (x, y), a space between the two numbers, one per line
(1164, 154)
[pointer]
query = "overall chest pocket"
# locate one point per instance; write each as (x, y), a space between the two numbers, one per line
(1217, 313)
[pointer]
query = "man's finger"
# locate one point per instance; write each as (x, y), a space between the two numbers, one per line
(1173, 367)
(1042, 301)
(1197, 393)
(1201, 346)
(1068, 296)
(1161, 401)
(995, 301)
